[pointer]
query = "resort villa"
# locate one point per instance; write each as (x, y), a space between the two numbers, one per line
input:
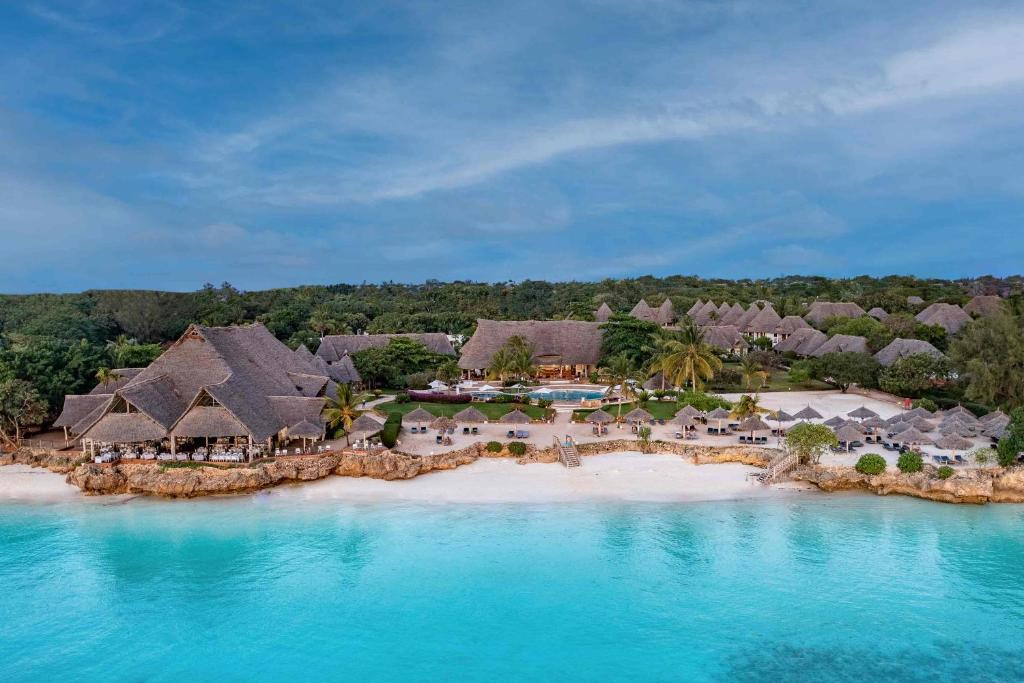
(334, 354)
(562, 348)
(234, 389)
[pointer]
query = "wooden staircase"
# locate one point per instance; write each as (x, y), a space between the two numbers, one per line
(777, 467)
(567, 453)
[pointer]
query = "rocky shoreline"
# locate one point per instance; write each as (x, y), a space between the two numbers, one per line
(971, 487)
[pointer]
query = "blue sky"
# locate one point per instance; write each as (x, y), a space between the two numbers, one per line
(164, 144)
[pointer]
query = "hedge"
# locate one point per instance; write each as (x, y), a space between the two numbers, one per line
(389, 433)
(870, 463)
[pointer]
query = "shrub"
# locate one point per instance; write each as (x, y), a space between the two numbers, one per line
(926, 403)
(944, 472)
(724, 378)
(419, 380)
(389, 433)
(434, 397)
(983, 455)
(517, 448)
(402, 397)
(910, 462)
(545, 403)
(493, 447)
(870, 463)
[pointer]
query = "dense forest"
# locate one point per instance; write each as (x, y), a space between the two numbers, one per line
(58, 342)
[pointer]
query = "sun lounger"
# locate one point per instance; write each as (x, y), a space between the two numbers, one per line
(465, 431)
(511, 434)
(522, 434)
(474, 431)
(438, 438)
(679, 435)
(960, 460)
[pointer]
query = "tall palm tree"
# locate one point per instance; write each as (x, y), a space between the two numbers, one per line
(500, 365)
(687, 359)
(341, 411)
(620, 371)
(107, 376)
(120, 347)
(747, 406)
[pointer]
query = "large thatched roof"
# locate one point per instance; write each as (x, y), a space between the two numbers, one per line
(802, 342)
(470, 415)
(697, 305)
(984, 305)
(725, 337)
(515, 417)
(122, 377)
(790, 324)
(555, 342)
(950, 317)
(733, 315)
(764, 322)
(819, 311)
(748, 315)
(333, 347)
(603, 313)
(418, 415)
(599, 417)
(76, 407)
(901, 348)
(842, 343)
(243, 370)
(707, 314)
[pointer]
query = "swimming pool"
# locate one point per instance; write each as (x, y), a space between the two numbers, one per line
(562, 395)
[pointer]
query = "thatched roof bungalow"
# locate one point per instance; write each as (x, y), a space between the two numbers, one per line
(901, 348)
(802, 342)
(563, 347)
(214, 382)
(663, 315)
(949, 317)
(879, 313)
(984, 305)
(726, 338)
(603, 313)
(842, 343)
(334, 346)
(820, 311)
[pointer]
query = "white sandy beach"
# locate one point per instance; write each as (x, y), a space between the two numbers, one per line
(616, 476)
(21, 482)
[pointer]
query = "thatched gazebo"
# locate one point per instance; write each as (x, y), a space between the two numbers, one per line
(719, 415)
(470, 415)
(638, 415)
(684, 422)
(874, 423)
(952, 442)
(847, 435)
(442, 423)
(862, 413)
(808, 413)
(365, 425)
(515, 417)
(689, 411)
(911, 436)
(752, 424)
(599, 417)
(834, 421)
(419, 416)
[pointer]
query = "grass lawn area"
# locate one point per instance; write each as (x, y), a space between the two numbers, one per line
(778, 381)
(493, 411)
(659, 409)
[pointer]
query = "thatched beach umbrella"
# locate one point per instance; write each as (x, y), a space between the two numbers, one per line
(834, 421)
(420, 415)
(781, 416)
(719, 415)
(922, 425)
(898, 427)
(808, 413)
(847, 435)
(862, 413)
(684, 422)
(470, 415)
(638, 415)
(689, 411)
(957, 428)
(752, 424)
(442, 423)
(854, 425)
(911, 436)
(515, 417)
(952, 442)
(995, 418)
(599, 417)
(995, 432)
(365, 423)
(874, 423)
(919, 412)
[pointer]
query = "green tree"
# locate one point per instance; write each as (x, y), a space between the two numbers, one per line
(747, 406)
(1011, 445)
(449, 372)
(846, 369)
(870, 463)
(810, 441)
(877, 334)
(687, 358)
(107, 376)
(624, 335)
(621, 371)
(753, 372)
(989, 356)
(21, 406)
(910, 462)
(913, 375)
(341, 411)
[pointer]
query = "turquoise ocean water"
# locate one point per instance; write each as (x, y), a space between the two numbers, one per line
(271, 587)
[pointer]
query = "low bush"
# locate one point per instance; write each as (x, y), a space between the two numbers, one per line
(870, 463)
(402, 397)
(926, 403)
(517, 448)
(983, 455)
(493, 447)
(944, 472)
(910, 462)
(389, 433)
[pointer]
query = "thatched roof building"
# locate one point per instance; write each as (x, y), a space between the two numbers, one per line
(747, 316)
(697, 305)
(819, 311)
(334, 346)
(558, 343)
(879, 313)
(603, 313)
(764, 323)
(984, 305)
(707, 315)
(790, 324)
(663, 315)
(726, 338)
(842, 343)
(802, 342)
(901, 348)
(949, 317)
(914, 300)
(213, 382)
(733, 315)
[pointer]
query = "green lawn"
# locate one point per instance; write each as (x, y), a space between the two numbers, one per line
(493, 411)
(778, 381)
(659, 409)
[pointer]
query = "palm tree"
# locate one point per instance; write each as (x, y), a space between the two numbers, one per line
(688, 358)
(751, 371)
(322, 322)
(746, 407)
(620, 371)
(107, 376)
(120, 347)
(500, 365)
(515, 358)
(341, 411)
(657, 351)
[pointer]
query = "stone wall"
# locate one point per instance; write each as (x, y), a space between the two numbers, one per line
(966, 486)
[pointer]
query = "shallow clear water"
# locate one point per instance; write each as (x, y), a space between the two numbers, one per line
(553, 394)
(272, 587)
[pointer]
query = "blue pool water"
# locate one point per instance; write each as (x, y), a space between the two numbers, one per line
(272, 587)
(555, 394)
